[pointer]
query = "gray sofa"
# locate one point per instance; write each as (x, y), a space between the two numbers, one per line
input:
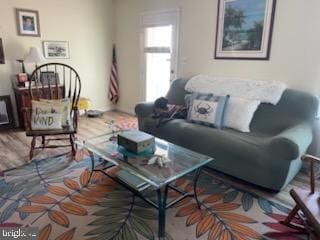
(268, 156)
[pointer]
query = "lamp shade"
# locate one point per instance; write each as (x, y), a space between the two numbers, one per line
(34, 56)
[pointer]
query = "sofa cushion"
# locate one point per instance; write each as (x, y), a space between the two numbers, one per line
(204, 139)
(206, 109)
(222, 142)
(267, 160)
(268, 118)
(239, 113)
(177, 92)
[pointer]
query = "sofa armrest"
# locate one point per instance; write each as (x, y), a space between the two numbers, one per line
(144, 109)
(293, 142)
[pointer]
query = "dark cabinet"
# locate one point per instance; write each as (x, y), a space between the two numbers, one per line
(23, 98)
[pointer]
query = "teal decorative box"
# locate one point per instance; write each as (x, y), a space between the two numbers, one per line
(136, 141)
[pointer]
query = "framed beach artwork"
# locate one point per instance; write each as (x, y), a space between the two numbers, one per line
(56, 49)
(28, 22)
(244, 29)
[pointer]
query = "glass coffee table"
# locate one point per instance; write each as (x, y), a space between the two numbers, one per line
(136, 174)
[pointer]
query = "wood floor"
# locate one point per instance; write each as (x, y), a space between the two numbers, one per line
(14, 152)
(15, 146)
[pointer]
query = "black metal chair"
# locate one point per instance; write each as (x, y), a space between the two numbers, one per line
(47, 85)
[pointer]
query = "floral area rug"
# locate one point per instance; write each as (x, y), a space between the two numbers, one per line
(54, 195)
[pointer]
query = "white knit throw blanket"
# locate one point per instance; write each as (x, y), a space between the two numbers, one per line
(263, 91)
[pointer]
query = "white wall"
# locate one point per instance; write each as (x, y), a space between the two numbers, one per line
(86, 24)
(295, 50)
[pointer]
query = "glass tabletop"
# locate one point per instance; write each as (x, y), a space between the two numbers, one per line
(181, 160)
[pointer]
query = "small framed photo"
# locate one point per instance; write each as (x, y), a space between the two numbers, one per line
(56, 49)
(244, 29)
(2, 61)
(6, 114)
(22, 78)
(28, 22)
(49, 78)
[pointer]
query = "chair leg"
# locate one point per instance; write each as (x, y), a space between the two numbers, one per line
(291, 215)
(72, 142)
(33, 144)
(43, 141)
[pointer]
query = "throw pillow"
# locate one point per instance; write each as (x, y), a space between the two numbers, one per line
(206, 109)
(46, 116)
(66, 103)
(239, 113)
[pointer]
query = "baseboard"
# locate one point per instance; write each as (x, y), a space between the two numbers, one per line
(125, 110)
(107, 109)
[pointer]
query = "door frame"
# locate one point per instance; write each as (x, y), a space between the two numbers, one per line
(153, 19)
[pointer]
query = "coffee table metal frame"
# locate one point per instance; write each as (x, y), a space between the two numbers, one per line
(162, 192)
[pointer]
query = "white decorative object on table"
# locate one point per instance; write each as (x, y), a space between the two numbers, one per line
(161, 160)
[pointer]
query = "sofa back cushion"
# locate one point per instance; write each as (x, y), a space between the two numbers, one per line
(177, 92)
(294, 107)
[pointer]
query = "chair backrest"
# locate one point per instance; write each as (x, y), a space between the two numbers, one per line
(313, 160)
(56, 81)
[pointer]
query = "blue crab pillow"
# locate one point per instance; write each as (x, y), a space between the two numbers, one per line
(206, 109)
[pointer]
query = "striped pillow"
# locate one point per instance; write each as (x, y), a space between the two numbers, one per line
(206, 109)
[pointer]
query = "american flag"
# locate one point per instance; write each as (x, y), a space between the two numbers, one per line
(114, 84)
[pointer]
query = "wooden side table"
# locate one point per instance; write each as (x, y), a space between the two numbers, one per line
(23, 99)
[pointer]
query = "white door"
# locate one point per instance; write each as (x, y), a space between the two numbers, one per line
(159, 52)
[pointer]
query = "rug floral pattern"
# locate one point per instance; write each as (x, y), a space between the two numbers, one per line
(54, 195)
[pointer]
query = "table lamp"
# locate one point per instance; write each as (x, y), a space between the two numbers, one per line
(34, 56)
(23, 69)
